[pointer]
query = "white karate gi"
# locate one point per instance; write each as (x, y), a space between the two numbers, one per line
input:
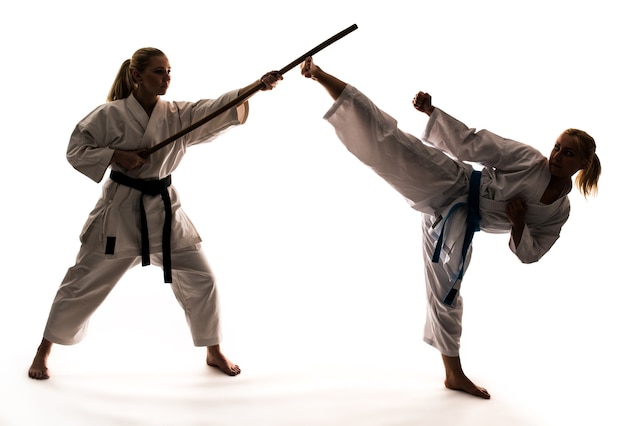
(435, 178)
(124, 125)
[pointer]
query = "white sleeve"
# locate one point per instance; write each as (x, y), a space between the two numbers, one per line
(537, 241)
(190, 113)
(467, 144)
(84, 154)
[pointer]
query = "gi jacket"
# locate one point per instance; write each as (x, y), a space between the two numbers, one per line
(434, 176)
(511, 169)
(123, 124)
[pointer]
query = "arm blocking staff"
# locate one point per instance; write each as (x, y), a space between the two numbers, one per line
(247, 94)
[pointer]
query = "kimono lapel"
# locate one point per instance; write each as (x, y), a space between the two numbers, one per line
(149, 125)
(152, 129)
(137, 112)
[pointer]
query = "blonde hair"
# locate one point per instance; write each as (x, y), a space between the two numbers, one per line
(587, 178)
(124, 83)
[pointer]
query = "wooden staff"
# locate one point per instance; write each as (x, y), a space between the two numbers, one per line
(245, 95)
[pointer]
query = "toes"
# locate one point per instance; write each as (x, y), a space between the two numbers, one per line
(484, 393)
(231, 370)
(38, 374)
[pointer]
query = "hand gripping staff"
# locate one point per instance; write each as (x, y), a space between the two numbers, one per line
(245, 95)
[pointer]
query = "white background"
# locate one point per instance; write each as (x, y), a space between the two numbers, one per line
(318, 260)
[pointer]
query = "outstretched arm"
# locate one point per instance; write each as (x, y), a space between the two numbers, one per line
(332, 84)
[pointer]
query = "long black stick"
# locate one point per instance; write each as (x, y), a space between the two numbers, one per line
(247, 94)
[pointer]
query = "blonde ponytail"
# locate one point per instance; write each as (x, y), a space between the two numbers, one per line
(587, 178)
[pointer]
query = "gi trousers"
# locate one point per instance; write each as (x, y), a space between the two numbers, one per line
(443, 325)
(92, 278)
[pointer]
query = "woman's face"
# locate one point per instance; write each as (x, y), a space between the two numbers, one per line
(566, 158)
(155, 79)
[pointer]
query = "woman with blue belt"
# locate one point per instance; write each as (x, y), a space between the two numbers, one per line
(518, 191)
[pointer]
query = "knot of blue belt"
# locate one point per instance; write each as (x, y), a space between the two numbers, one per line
(472, 225)
(152, 187)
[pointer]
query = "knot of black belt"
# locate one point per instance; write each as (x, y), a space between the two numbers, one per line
(152, 187)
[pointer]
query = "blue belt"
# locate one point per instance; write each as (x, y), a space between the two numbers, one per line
(472, 225)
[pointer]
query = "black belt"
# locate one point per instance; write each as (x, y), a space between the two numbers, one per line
(152, 187)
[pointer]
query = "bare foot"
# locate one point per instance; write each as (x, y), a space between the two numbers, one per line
(464, 384)
(215, 358)
(39, 369)
(457, 380)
